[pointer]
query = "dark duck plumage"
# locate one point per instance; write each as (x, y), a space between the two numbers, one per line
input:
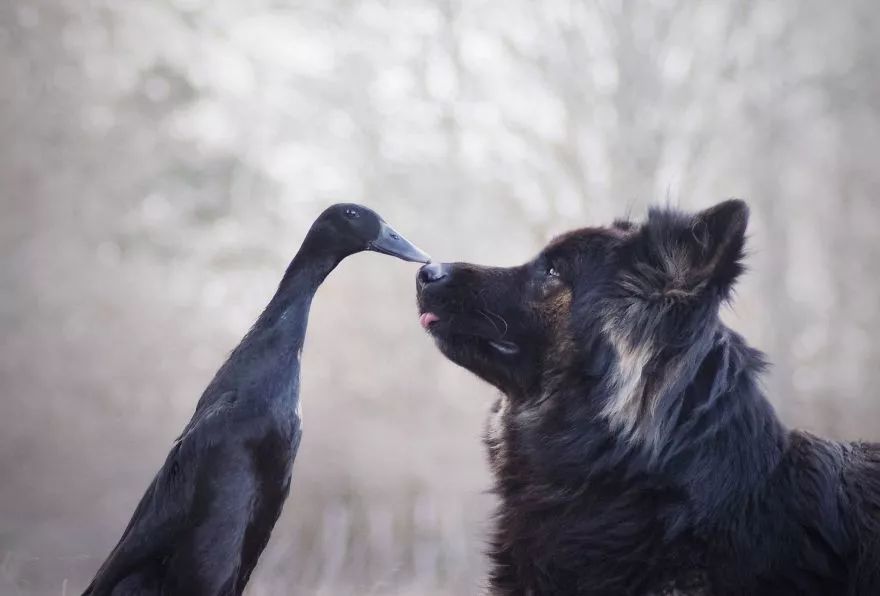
(206, 517)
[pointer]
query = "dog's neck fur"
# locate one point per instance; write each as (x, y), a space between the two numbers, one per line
(670, 470)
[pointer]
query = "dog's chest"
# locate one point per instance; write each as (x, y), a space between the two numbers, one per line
(551, 530)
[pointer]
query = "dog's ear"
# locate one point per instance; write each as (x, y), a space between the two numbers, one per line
(679, 257)
(717, 244)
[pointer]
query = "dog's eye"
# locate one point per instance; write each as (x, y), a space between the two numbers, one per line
(352, 213)
(552, 272)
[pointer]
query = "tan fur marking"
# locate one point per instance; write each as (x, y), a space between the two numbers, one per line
(494, 426)
(557, 311)
(625, 406)
(495, 429)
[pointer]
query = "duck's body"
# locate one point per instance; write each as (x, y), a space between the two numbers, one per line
(208, 514)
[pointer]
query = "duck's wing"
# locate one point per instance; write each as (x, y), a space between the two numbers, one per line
(162, 513)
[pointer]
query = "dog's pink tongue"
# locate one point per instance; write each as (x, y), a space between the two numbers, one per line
(426, 318)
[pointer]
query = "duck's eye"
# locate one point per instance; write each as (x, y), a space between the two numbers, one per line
(352, 213)
(552, 272)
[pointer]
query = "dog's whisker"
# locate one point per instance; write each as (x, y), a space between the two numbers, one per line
(489, 311)
(491, 321)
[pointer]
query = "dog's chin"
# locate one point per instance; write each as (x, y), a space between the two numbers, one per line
(462, 349)
(493, 363)
(451, 339)
(475, 343)
(471, 343)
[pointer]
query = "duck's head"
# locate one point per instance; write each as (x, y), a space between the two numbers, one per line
(347, 228)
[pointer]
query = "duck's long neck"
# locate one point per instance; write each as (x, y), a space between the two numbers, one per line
(267, 359)
(288, 311)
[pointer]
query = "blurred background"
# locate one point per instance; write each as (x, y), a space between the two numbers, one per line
(160, 162)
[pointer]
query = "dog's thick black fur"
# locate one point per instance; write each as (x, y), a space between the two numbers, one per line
(633, 449)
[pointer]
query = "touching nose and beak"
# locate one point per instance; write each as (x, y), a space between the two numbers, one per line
(432, 273)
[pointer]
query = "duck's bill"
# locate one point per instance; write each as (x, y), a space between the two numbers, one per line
(389, 242)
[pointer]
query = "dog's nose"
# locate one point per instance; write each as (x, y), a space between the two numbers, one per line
(432, 273)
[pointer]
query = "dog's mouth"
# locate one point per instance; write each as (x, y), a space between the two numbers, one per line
(426, 319)
(456, 328)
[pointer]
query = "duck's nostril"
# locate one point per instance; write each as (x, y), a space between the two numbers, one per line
(431, 273)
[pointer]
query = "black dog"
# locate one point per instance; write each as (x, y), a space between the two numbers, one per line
(633, 449)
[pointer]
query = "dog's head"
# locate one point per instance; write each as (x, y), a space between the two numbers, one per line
(595, 302)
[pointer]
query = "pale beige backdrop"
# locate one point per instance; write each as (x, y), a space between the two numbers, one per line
(160, 162)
